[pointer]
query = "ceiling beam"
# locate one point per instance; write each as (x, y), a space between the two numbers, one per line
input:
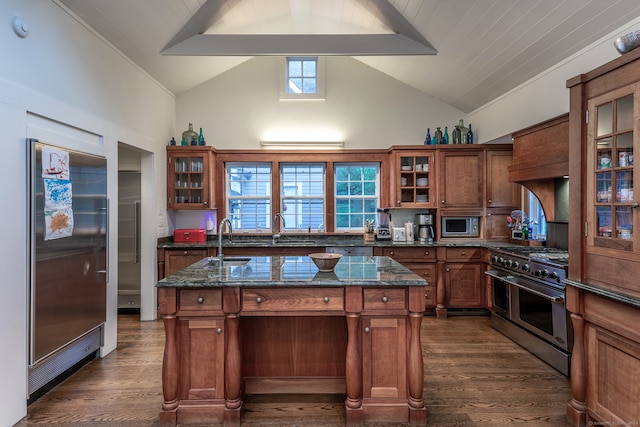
(299, 44)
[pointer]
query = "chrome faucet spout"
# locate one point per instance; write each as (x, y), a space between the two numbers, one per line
(220, 236)
(275, 236)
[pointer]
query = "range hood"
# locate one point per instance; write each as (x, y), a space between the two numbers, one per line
(540, 158)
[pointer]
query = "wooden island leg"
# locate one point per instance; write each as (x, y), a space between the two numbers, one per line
(168, 415)
(415, 372)
(577, 408)
(353, 372)
(233, 373)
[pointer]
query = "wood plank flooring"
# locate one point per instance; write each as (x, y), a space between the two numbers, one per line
(474, 376)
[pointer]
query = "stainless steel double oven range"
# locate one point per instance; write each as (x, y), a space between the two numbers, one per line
(528, 299)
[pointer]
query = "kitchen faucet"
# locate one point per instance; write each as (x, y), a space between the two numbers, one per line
(275, 236)
(220, 231)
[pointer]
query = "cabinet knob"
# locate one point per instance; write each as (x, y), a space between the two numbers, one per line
(385, 300)
(366, 330)
(426, 252)
(259, 300)
(200, 300)
(634, 204)
(426, 294)
(185, 252)
(463, 252)
(426, 273)
(219, 331)
(391, 253)
(489, 214)
(442, 202)
(326, 299)
(489, 201)
(446, 269)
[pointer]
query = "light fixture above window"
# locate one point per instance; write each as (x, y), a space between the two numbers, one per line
(302, 145)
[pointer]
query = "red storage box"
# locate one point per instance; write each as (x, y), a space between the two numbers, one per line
(189, 235)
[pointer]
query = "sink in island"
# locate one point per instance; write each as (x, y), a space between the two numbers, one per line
(275, 324)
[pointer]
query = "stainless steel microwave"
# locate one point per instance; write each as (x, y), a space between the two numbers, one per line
(460, 226)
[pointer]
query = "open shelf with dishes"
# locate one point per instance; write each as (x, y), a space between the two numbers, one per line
(414, 185)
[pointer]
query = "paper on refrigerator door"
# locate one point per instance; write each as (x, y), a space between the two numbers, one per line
(58, 211)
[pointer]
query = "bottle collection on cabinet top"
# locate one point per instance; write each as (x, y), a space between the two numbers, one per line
(460, 135)
(190, 137)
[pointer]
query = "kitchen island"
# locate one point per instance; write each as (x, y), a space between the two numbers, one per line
(275, 324)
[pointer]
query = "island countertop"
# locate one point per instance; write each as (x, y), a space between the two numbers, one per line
(292, 270)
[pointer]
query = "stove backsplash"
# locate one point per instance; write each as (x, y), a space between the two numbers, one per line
(558, 235)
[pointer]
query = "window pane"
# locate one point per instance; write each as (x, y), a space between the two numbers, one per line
(309, 85)
(362, 199)
(295, 86)
(309, 68)
(295, 68)
(249, 195)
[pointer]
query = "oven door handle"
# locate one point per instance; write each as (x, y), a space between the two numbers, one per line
(496, 275)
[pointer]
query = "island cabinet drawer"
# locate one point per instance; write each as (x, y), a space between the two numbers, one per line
(464, 254)
(384, 299)
(285, 301)
(412, 253)
(200, 301)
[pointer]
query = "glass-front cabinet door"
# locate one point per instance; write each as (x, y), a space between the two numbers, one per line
(612, 214)
(413, 184)
(188, 178)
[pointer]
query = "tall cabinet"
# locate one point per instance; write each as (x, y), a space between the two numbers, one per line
(190, 175)
(603, 293)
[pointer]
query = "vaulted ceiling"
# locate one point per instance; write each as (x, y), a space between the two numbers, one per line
(463, 52)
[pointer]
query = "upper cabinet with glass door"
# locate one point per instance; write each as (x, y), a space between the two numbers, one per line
(412, 180)
(611, 136)
(190, 177)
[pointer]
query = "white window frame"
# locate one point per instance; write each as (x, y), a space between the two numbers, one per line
(336, 197)
(284, 195)
(320, 80)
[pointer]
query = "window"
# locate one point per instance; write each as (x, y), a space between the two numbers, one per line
(249, 195)
(302, 193)
(537, 219)
(357, 194)
(302, 78)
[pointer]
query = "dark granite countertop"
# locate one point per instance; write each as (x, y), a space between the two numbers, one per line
(324, 241)
(604, 292)
(293, 271)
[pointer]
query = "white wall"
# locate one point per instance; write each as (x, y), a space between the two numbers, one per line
(366, 107)
(64, 73)
(546, 95)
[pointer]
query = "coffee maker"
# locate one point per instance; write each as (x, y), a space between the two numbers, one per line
(383, 229)
(426, 232)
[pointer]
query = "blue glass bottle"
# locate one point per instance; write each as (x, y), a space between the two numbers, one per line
(445, 136)
(470, 135)
(173, 141)
(427, 140)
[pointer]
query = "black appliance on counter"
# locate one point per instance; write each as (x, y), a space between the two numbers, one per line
(528, 301)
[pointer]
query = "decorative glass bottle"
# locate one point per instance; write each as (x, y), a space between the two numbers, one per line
(427, 140)
(190, 135)
(445, 136)
(200, 138)
(470, 135)
(437, 135)
(456, 135)
(463, 132)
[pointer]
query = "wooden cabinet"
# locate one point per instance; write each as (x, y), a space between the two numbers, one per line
(461, 178)
(464, 280)
(177, 259)
(190, 177)
(604, 243)
(501, 193)
(413, 178)
(420, 260)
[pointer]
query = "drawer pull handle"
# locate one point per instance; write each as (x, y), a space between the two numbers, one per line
(326, 299)
(200, 300)
(391, 253)
(385, 300)
(426, 273)
(186, 252)
(259, 300)
(463, 252)
(366, 330)
(219, 331)
(426, 252)
(426, 294)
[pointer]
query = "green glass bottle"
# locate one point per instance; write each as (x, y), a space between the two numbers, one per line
(200, 138)
(445, 136)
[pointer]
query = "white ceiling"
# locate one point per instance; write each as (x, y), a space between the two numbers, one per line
(484, 47)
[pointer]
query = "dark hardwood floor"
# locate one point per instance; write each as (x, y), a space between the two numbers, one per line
(474, 376)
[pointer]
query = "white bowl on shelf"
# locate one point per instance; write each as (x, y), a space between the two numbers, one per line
(422, 199)
(422, 182)
(406, 168)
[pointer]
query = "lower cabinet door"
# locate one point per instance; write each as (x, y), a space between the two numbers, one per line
(464, 285)
(384, 357)
(201, 358)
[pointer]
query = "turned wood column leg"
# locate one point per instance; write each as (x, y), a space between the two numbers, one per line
(232, 373)
(441, 310)
(353, 371)
(415, 372)
(577, 408)
(169, 370)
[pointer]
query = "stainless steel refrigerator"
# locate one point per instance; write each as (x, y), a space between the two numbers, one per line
(68, 258)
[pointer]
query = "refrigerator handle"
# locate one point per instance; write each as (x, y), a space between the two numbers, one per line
(106, 236)
(136, 231)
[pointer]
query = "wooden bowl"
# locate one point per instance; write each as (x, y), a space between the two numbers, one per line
(325, 261)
